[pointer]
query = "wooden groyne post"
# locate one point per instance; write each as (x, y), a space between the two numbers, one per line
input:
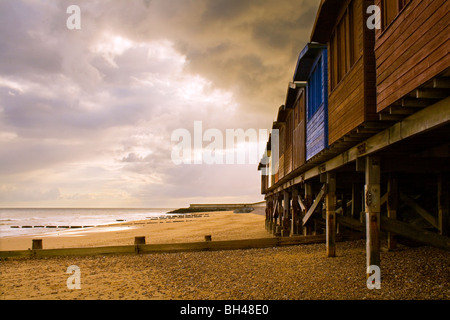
(36, 244)
(137, 242)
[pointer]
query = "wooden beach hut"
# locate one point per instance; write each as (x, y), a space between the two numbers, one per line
(351, 60)
(312, 70)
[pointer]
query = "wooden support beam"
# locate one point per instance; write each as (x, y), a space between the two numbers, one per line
(287, 208)
(330, 201)
(427, 93)
(402, 110)
(350, 223)
(415, 103)
(295, 212)
(314, 206)
(417, 208)
(441, 83)
(443, 205)
(302, 204)
(392, 207)
(416, 234)
(274, 215)
(308, 203)
(390, 117)
(372, 205)
(280, 216)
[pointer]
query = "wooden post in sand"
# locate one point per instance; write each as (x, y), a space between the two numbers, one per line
(137, 242)
(372, 205)
(36, 244)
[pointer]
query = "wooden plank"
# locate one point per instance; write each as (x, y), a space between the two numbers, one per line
(350, 223)
(428, 93)
(384, 36)
(372, 205)
(176, 247)
(433, 64)
(313, 208)
(346, 104)
(330, 202)
(417, 208)
(414, 103)
(275, 216)
(408, 231)
(301, 203)
(410, 40)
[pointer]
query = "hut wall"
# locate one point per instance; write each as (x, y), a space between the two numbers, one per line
(411, 48)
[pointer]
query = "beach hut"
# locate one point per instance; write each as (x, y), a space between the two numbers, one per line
(311, 74)
(341, 25)
(279, 159)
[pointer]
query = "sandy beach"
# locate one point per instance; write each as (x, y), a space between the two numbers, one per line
(224, 225)
(295, 272)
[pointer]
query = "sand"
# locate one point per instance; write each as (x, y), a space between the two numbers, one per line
(220, 225)
(288, 273)
(296, 272)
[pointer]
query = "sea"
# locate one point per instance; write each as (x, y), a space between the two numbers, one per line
(17, 222)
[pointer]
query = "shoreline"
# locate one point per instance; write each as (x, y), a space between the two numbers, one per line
(223, 225)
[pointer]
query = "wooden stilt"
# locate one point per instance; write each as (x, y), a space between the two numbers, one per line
(330, 201)
(392, 206)
(295, 212)
(443, 205)
(278, 224)
(287, 209)
(372, 206)
(272, 212)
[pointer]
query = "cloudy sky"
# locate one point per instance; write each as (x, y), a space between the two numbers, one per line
(87, 116)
